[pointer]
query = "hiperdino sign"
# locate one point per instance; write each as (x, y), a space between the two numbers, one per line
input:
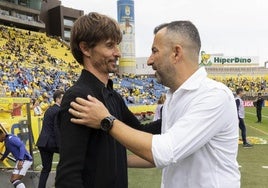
(223, 60)
(212, 59)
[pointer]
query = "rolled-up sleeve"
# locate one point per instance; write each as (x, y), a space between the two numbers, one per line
(163, 153)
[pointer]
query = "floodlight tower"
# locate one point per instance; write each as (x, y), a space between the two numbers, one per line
(126, 19)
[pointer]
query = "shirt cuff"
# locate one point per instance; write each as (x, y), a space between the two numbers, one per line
(162, 150)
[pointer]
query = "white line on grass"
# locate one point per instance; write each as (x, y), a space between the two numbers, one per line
(265, 167)
(259, 130)
(255, 114)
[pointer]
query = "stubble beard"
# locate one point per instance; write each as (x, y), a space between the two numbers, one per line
(158, 78)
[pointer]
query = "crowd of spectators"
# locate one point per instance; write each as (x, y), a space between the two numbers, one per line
(29, 68)
(252, 85)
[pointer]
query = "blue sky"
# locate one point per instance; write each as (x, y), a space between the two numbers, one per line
(232, 27)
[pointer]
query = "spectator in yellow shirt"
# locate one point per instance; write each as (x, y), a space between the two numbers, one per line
(6, 110)
(44, 104)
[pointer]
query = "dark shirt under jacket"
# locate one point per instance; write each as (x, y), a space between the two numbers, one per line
(91, 158)
(47, 137)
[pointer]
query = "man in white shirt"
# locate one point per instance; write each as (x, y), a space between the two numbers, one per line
(241, 115)
(199, 140)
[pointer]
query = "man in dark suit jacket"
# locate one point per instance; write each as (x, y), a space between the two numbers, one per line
(48, 142)
(259, 104)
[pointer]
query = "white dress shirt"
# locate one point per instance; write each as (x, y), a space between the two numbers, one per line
(158, 112)
(241, 108)
(199, 141)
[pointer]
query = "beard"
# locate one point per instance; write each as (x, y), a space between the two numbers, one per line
(158, 78)
(113, 67)
(108, 66)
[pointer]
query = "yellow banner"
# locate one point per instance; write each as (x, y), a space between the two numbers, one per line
(7, 100)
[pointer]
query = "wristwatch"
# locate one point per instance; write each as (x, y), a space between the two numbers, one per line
(107, 123)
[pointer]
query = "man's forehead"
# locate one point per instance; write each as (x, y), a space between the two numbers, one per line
(158, 38)
(162, 31)
(109, 41)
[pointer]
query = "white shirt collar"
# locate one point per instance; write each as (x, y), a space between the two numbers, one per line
(194, 81)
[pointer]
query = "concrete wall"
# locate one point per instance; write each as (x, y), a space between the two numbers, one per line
(30, 180)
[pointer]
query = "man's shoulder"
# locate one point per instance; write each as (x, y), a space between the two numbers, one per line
(79, 89)
(213, 84)
(52, 109)
(12, 137)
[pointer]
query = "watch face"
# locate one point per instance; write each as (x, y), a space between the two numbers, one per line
(106, 124)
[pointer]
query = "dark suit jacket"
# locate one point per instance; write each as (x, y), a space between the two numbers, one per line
(47, 137)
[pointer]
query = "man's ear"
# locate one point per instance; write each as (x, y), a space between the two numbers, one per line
(84, 48)
(178, 52)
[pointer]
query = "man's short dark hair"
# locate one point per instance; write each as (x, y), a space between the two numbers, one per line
(186, 29)
(57, 94)
(239, 90)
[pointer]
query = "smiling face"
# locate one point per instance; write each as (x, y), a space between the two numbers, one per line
(104, 56)
(91, 30)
